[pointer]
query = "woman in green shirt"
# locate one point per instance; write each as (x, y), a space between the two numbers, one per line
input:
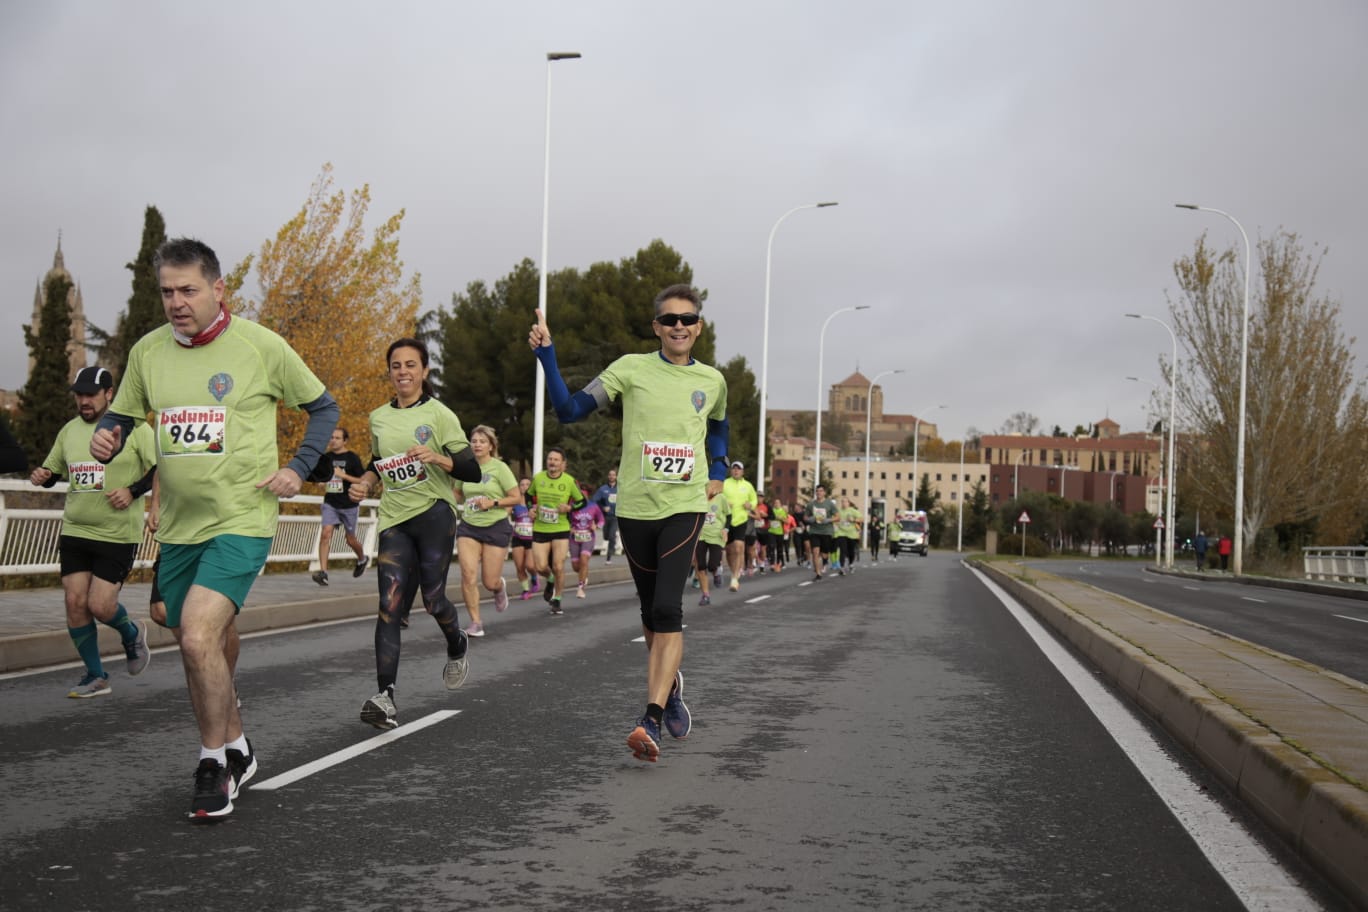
(483, 535)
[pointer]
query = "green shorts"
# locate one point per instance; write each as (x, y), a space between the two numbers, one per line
(227, 564)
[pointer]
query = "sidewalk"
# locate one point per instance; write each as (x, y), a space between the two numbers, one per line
(34, 620)
(1289, 738)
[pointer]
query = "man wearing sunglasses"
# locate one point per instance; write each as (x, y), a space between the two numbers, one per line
(674, 457)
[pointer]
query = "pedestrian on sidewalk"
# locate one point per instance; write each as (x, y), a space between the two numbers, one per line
(1199, 548)
(102, 526)
(338, 468)
(214, 383)
(674, 455)
(1223, 549)
(418, 449)
(606, 498)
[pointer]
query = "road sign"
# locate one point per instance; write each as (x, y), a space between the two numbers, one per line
(1024, 517)
(1159, 523)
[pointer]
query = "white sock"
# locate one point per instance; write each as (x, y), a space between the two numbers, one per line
(214, 753)
(240, 745)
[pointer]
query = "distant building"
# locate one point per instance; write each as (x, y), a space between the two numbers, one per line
(76, 346)
(849, 403)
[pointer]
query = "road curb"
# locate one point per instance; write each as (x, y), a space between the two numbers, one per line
(1323, 817)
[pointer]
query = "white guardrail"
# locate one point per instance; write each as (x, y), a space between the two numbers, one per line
(1340, 565)
(28, 538)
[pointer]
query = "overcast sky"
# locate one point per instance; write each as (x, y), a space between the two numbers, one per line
(1006, 171)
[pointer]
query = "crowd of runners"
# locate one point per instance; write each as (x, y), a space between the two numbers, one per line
(679, 508)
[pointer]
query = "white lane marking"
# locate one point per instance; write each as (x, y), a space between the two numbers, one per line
(642, 638)
(1256, 876)
(1247, 598)
(356, 750)
(806, 583)
(1193, 588)
(1348, 618)
(758, 598)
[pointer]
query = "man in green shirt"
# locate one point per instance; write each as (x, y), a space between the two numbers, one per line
(213, 383)
(102, 526)
(553, 495)
(674, 454)
(743, 498)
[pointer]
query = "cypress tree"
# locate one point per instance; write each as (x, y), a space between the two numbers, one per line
(144, 312)
(45, 401)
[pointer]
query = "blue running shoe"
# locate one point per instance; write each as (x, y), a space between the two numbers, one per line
(677, 720)
(645, 740)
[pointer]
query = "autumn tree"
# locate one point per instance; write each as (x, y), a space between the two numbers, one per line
(144, 312)
(1306, 414)
(337, 297)
(1023, 423)
(803, 424)
(45, 401)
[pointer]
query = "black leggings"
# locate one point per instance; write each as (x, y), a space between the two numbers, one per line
(416, 552)
(774, 549)
(660, 552)
(850, 548)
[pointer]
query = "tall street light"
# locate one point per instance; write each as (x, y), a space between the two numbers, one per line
(916, 441)
(1237, 548)
(1164, 511)
(869, 426)
(959, 532)
(764, 337)
(539, 405)
(821, 353)
(1172, 429)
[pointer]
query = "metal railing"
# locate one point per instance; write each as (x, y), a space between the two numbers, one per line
(28, 537)
(1341, 565)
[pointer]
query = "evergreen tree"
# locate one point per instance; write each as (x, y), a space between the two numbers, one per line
(743, 416)
(145, 311)
(45, 400)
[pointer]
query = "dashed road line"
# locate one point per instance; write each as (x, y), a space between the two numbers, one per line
(1247, 598)
(356, 750)
(758, 598)
(1348, 618)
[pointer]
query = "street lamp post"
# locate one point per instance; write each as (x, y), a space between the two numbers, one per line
(539, 404)
(1173, 429)
(959, 534)
(1165, 487)
(821, 353)
(764, 338)
(869, 425)
(1237, 548)
(916, 441)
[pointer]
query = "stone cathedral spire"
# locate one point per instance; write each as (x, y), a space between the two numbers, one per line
(76, 347)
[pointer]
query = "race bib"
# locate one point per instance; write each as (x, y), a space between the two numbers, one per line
(776, 528)
(819, 514)
(548, 514)
(192, 431)
(523, 528)
(668, 463)
(472, 507)
(583, 535)
(612, 498)
(401, 471)
(710, 519)
(334, 486)
(85, 477)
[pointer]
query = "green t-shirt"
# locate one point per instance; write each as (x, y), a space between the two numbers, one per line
(87, 513)
(412, 486)
(742, 497)
(215, 425)
(776, 520)
(714, 531)
(665, 411)
(496, 480)
(820, 515)
(847, 523)
(546, 496)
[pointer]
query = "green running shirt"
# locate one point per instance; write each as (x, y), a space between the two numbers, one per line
(714, 531)
(410, 485)
(215, 425)
(496, 479)
(665, 412)
(546, 495)
(87, 513)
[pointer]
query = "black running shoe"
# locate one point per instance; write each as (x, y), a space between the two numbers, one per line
(360, 567)
(213, 791)
(241, 766)
(549, 591)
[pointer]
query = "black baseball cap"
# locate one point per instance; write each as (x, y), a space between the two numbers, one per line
(92, 380)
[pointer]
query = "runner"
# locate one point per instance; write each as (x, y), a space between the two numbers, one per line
(711, 543)
(876, 526)
(417, 448)
(740, 494)
(847, 536)
(483, 535)
(801, 551)
(774, 545)
(553, 494)
(606, 498)
(674, 426)
(520, 545)
(338, 468)
(214, 383)
(102, 526)
(583, 521)
(819, 514)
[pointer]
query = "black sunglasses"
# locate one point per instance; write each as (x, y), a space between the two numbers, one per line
(687, 319)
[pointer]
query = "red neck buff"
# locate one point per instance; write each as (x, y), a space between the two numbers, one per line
(208, 334)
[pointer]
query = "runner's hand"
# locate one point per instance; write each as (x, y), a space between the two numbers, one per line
(359, 491)
(425, 455)
(40, 476)
(714, 488)
(106, 443)
(119, 498)
(282, 482)
(540, 336)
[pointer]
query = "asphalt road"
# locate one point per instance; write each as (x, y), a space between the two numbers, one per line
(1325, 630)
(890, 740)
